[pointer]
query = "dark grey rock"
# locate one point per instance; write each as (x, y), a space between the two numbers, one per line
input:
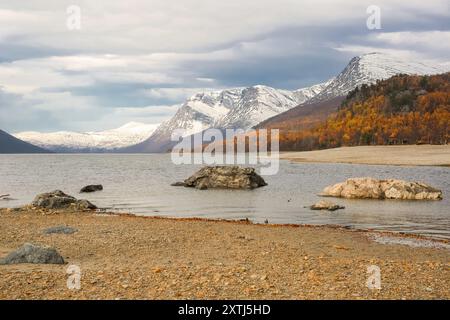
(178, 184)
(6, 197)
(59, 200)
(30, 253)
(225, 177)
(92, 188)
(60, 229)
(84, 205)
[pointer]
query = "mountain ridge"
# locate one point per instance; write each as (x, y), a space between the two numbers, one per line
(229, 108)
(242, 107)
(92, 141)
(10, 144)
(259, 103)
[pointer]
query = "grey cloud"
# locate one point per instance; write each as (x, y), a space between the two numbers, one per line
(18, 115)
(282, 44)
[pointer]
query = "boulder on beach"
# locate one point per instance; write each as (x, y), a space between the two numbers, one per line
(59, 200)
(370, 188)
(30, 253)
(225, 177)
(326, 205)
(91, 188)
(60, 230)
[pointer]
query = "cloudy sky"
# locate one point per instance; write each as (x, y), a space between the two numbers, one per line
(138, 60)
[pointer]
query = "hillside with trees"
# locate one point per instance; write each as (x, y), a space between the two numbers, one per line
(400, 110)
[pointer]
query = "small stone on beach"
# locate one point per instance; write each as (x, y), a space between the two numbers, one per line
(60, 229)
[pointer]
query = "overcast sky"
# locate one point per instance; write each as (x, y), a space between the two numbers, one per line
(138, 60)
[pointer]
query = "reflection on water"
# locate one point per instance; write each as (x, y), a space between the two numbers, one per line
(141, 184)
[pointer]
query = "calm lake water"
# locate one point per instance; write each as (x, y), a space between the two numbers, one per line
(140, 184)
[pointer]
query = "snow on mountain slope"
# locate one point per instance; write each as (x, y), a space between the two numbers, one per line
(305, 94)
(128, 134)
(255, 105)
(368, 68)
(230, 108)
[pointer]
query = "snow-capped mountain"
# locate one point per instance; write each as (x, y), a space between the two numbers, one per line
(231, 108)
(258, 103)
(65, 141)
(368, 68)
(246, 107)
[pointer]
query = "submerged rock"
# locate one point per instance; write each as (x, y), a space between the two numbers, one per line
(59, 200)
(326, 205)
(225, 177)
(91, 188)
(30, 253)
(60, 229)
(369, 188)
(6, 197)
(178, 184)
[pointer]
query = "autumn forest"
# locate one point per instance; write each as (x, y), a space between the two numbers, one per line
(401, 110)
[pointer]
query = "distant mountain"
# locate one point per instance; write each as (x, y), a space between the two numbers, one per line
(10, 144)
(231, 108)
(101, 141)
(368, 68)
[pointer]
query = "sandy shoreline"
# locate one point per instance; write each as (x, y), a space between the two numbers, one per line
(130, 257)
(411, 155)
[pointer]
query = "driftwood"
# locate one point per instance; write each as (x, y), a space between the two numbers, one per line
(4, 195)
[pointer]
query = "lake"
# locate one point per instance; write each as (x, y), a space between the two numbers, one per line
(140, 184)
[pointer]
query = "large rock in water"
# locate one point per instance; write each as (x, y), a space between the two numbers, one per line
(225, 177)
(59, 200)
(369, 188)
(30, 253)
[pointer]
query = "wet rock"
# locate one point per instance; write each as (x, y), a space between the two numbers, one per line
(30, 253)
(326, 205)
(6, 197)
(91, 188)
(84, 205)
(178, 184)
(59, 200)
(369, 188)
(60, 229)
(225, 177)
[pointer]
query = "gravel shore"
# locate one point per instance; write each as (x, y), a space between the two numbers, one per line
(129, 257)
